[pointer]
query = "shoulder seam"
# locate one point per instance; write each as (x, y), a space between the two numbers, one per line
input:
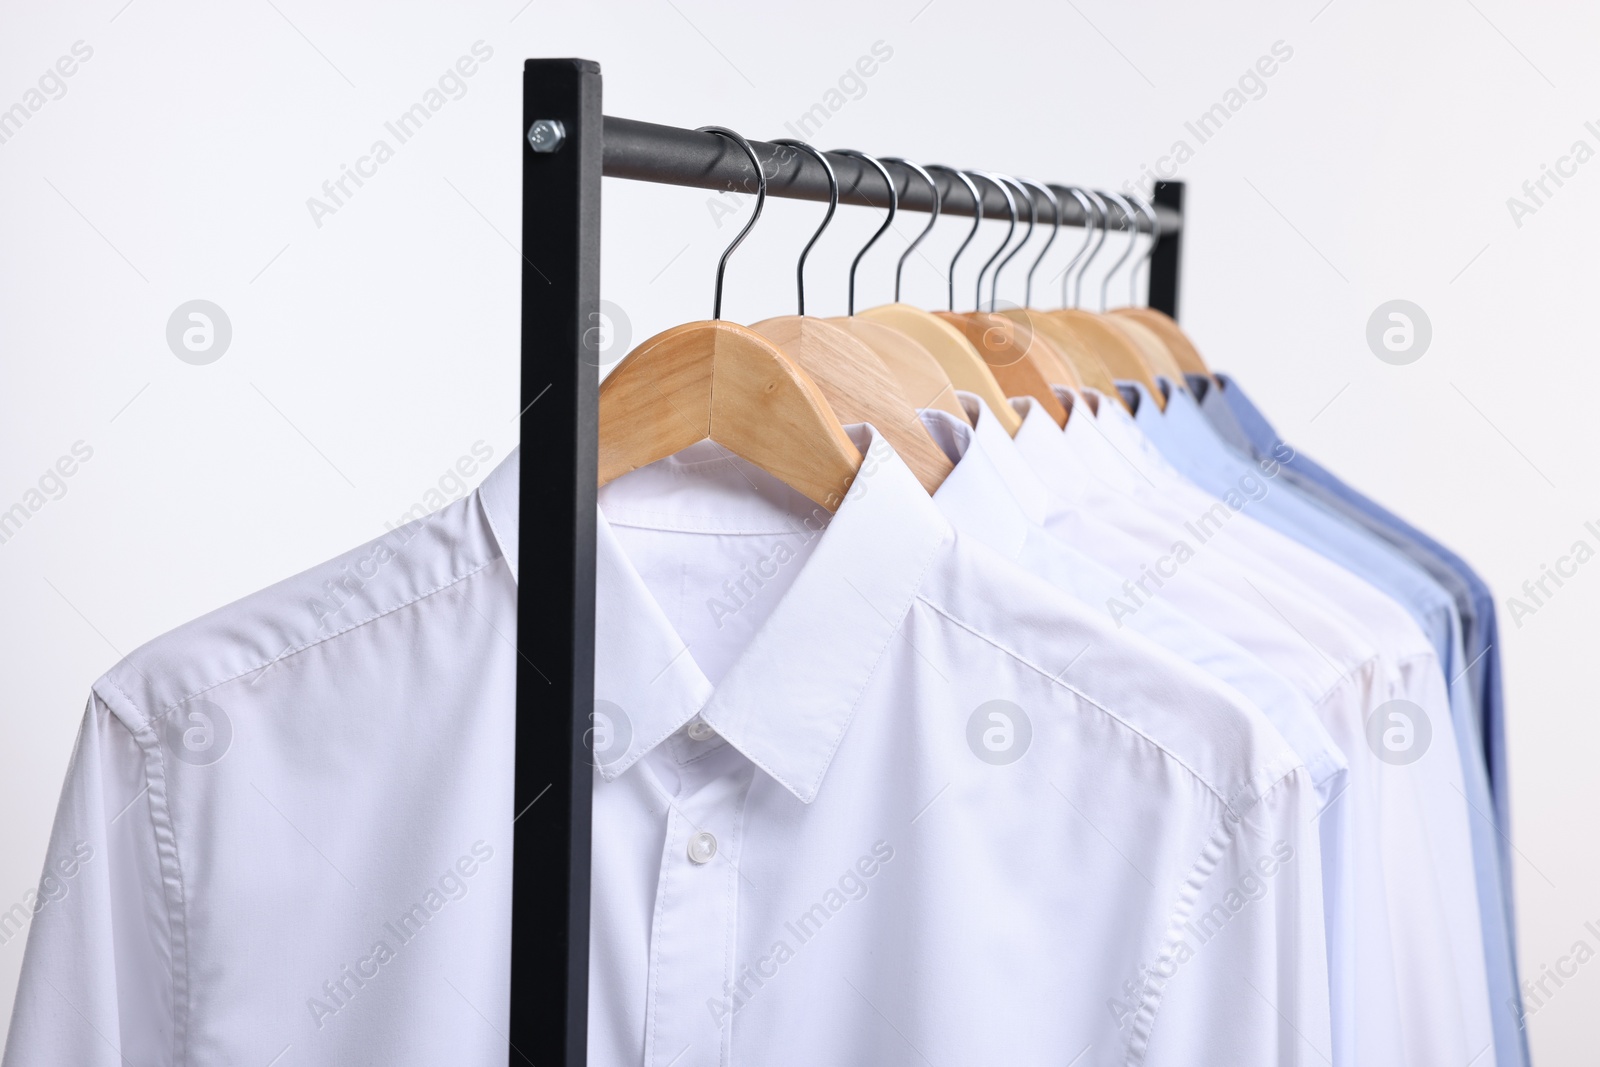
(290, 651)
(1055, 680)
(1223, 839)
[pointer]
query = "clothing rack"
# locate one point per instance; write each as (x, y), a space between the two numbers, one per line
(568, 145)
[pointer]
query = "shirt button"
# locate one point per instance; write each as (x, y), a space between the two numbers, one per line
(702, 847)
(700, 730)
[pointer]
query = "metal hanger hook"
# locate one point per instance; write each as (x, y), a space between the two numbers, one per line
(1132, 225)
(977, 220)
(1103, 218)
(761, 200)
(1027, 235)
(933, 217)
(1090, 224)
(894, 206)
(1055, 228)
(833, 205)
(1148, 208)
(1011, 206)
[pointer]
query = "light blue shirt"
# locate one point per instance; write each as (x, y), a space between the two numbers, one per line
(1189, 443)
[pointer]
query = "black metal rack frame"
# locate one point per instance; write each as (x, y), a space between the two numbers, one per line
(568, 145)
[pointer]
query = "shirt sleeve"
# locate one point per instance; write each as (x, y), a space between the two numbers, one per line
(1244, 977)
(96, 988)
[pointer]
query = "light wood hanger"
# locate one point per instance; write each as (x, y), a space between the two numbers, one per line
(1171, 335)
(1115, 351)
(856, 384)
(719, 381)
(953, 352)
(947, 344)
(921, 379)
(1157, 356)
(1014, 353)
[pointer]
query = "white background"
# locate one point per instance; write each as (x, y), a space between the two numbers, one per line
(371, 352)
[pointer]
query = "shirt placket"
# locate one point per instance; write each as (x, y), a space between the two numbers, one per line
(693, 942)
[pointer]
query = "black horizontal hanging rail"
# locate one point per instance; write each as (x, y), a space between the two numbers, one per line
(646, 152)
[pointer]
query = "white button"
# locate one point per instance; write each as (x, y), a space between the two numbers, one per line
(701, 730)
(702, 847)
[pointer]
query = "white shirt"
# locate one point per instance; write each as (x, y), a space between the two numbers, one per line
(809, 844)
(992, 495)
(1410, 883)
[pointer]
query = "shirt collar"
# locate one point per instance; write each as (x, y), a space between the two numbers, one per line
(498, 494)
(789, 697)
(1183, 435)
(990, 495)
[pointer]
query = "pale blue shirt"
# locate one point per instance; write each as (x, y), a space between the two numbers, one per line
(1188, 442)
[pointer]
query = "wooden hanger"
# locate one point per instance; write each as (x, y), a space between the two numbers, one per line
(957, 360)
(1111, 347)
(854, 381)
(1157, 356)
(921, 379)
(719, 381)
(1172, 335)
(949, 347)
(1015, 354)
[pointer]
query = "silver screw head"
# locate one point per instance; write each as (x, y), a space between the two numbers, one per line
(546, 135)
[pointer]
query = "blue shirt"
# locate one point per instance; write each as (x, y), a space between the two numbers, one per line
(1189, 443)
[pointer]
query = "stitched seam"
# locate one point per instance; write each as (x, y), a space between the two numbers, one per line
(206, 687)
(1182, 909)
(1213, 790)
(165, 837)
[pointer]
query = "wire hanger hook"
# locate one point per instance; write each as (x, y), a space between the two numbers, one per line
(1148, 208)
(1011, 207)
(933, 216)
(1055, 228)
(1132, 225)
(833, 205)
(894, 206)
(977, 220)
(1027, 235)
(1090, 223)
(761, 200)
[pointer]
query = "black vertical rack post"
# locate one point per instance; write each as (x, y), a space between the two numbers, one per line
(567, 146)
(555, 574)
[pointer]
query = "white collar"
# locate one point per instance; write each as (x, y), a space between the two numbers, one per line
(990, 495)
(788, 698)
(498, 494)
